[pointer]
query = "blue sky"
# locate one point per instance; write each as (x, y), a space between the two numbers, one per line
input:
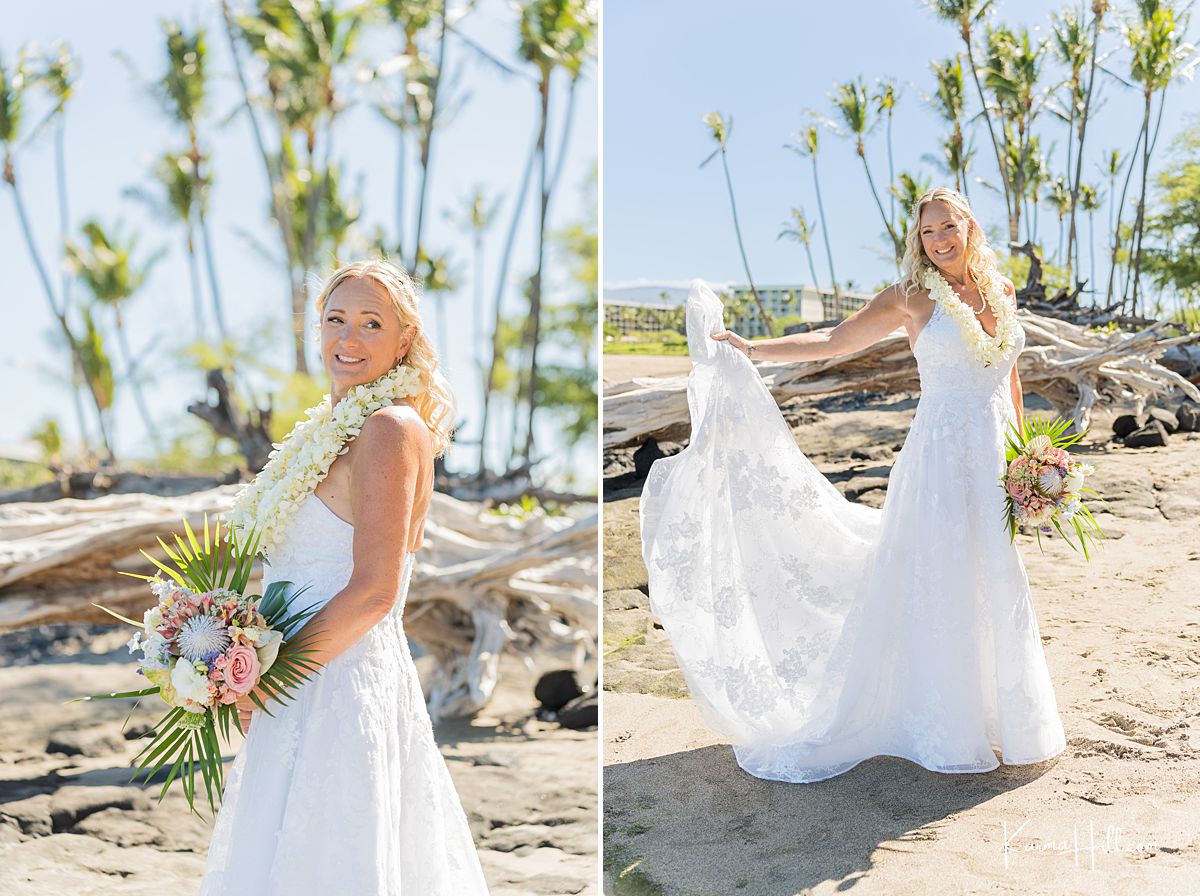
(115, 131)
(669, 62)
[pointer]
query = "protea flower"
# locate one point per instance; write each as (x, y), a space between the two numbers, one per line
(200, 636)
(1050, 480)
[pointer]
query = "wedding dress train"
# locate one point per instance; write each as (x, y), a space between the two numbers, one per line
(815, 633)
(342, 790)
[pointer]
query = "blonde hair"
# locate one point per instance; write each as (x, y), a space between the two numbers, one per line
(981, 260)
(435, 402)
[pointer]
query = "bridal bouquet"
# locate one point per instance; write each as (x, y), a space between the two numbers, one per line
(1044, 485)
(204, 644)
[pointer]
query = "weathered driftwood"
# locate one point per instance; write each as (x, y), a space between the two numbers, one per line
(1064, 363)
(482, 583)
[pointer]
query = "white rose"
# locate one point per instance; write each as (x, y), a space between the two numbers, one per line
(188, 683)
(267, 648)
(152, 619)
(1073, 482)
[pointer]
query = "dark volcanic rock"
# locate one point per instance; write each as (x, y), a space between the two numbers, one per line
(1188, 415)
(556, 689)
(1169, 421)
(582, 712)
(1152, 435)
(1127, 424)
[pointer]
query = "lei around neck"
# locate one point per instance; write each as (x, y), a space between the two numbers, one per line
(986, 349)
(302, 460)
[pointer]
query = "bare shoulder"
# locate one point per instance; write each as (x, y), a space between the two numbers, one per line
(1009, 289)
(890, 297)
(396, 430)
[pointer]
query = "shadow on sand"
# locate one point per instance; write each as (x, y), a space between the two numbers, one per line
(694, 822)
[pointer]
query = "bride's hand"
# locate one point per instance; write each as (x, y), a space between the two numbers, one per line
(742, 345)
(245, 710)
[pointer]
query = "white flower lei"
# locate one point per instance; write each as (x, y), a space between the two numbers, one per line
(987, 349)
(303, 458)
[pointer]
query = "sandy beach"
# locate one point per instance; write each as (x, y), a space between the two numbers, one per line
(1118, 812)
(70, 822)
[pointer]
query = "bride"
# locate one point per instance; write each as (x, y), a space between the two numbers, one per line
(343, 790)
(815, 633)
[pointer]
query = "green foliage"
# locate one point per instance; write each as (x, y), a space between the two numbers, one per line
(1175, 260)
(16, 474)
(557, 33)
(49, 437)
(184, 742)
(299, 392)
(103, 262)
(1059, 432)
(97, 368)
(182, 88)
(1016, 269)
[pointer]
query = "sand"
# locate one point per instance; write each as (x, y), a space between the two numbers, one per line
(1117, 813)
(73, 823)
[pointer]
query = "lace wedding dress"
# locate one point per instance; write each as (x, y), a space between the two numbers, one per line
(342, 790)
(815, 633)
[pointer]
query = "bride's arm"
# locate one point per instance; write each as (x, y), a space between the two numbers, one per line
(393, 463)
(865, 327)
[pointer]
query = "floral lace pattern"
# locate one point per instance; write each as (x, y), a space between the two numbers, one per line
(342, 790)
(814, 632)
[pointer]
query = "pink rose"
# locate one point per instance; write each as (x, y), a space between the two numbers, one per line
(239, 668)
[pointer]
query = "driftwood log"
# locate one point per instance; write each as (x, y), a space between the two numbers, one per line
(1068, 365)
(483, 582)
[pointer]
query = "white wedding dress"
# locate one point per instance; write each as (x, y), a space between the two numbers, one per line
(815, 633)
(343, 790)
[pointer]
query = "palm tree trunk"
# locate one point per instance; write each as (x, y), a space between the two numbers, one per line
(138, 397)
(1083, 120)
(1092, 253)
(891, 175)
(1149, 150)
(1009, 199)
(64, 227)
(812, 268)
(837, 293)
(737, 229)
(427, 141)
(1071, 187)
(274, 176)
(1140, 221)
(1116, 244)
(211, 266)
(194, 277)
(501, 283)
(897, 245)
(534, 328)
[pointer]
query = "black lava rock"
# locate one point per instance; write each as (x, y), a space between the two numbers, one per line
(582, 712)
(1169, 421)
(556, 689)
(1152, 435)
(1188, 415)
(1127, 424)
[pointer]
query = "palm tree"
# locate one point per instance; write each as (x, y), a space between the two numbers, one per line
(1159, 52)
(553, 34)
(1073, 49)
(412, 109)
(966, 15)
(720, 130)
(1012, 73)
(475, 217)
(1060, 201)
(852, 103)
(908, 189)
(301, 47)
(799, 230)
(949, 99)
(13, 86)
(181, 91)
(807, 144)
(1089, 201)
(885, 104)
(104, 264)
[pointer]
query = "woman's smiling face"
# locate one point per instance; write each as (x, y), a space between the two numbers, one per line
(361, 337)
(944, 236)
